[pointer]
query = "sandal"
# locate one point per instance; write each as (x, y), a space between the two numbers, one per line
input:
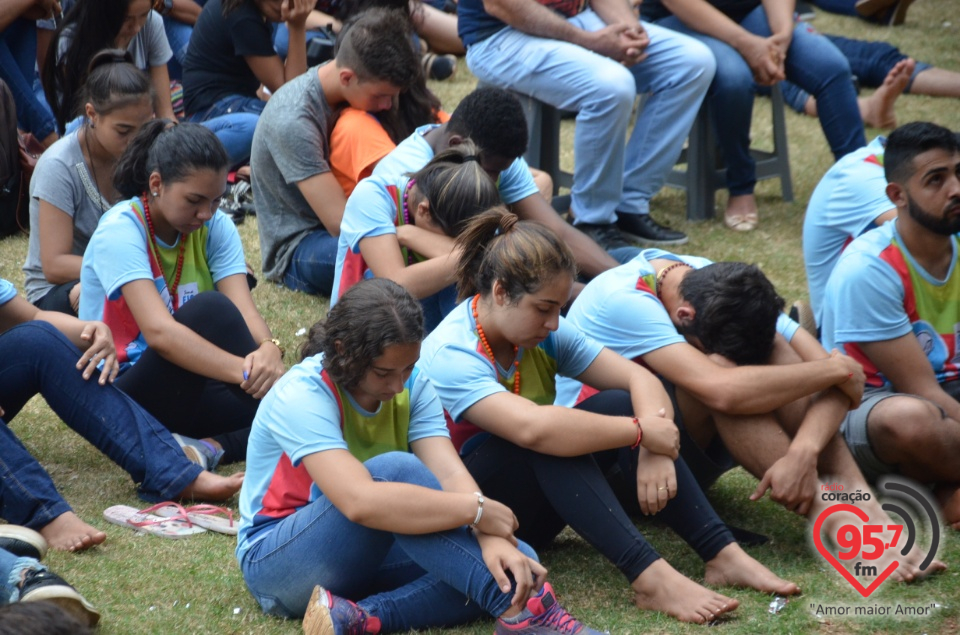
(175, 527)
(205, 516)
(741, 222)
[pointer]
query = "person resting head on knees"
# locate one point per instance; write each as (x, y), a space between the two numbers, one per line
(404, 229)
(165, 269)
(40, 353)
(298, 199)
(750, 387)
(493, 362)
(72, 185)
(350, 468)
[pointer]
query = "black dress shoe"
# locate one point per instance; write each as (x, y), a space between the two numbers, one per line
(607, 236)
(645, 229)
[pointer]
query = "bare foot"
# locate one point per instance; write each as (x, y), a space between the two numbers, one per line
(741, 214)
(734, 567)
(213, 487)
(662, 588)
(67, 532)
(877, 110)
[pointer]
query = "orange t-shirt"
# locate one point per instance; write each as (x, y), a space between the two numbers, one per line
(357, 144)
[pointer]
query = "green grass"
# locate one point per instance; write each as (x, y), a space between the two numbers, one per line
(149, 585)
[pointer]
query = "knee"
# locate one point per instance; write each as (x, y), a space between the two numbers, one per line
(733, 81)
(401, 467)
(614, 88)
(32, 337)
(700, 62)
(902, 423)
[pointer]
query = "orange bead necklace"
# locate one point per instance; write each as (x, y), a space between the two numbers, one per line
(489, 351)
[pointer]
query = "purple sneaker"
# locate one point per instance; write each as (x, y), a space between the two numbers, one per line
(542, 616)
(328, 614)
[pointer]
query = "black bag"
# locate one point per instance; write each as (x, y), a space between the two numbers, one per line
(320, 46)
(14, 197)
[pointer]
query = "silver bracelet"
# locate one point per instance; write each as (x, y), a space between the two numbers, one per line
(476, 521)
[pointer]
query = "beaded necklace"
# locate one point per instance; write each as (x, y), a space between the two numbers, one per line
(662, 276)
(489, 351)
(406, 195)
(156, 251)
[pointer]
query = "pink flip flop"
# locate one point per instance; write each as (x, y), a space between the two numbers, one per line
(212, 517)
(174, 527)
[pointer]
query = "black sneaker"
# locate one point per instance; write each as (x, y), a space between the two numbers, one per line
(22, 542)
(607, 236)
(804, 11)
(42, 585)
(645, 229)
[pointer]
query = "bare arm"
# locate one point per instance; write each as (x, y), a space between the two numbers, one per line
(325, 197)
(745, 389)
(186, 11)
(552, 430)
(264, 366)
(270, 69)
(175, 342)
(426, 243)
(58, 262)
(10, 10)
(422, 279)
(160, 80)
(591, 258)
(902, 361)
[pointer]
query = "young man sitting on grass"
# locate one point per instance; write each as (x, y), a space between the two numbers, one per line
(892, 303)
(299, 202)
(750, 387)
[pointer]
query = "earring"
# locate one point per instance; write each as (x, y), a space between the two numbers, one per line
(93, 125)
(154, 194)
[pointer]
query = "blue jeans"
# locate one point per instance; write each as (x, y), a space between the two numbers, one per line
(11, 568)
(18, 68)
(869, 61)
(408, 581)
(813, 63)
(608, 177)
(314, 264)
(233, 119)
(36, 358)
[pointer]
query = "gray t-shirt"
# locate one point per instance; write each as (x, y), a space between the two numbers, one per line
(62, 179)
(291, 144)
(148, 48)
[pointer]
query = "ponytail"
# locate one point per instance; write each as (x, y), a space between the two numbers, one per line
(457, 188)
(521, 255)
(172, 150)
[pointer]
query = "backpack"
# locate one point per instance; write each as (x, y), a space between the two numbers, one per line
(14, 182)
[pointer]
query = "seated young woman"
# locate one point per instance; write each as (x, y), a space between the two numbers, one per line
(40, 353)
(404, 229)
(90, 27)
(353, 484)
(493, 362)
(165, 270)
(231, 55)
(72, 185)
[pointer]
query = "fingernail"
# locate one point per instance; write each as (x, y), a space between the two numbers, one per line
(245, 376)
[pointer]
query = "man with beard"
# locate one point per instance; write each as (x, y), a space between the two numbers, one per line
(893, 303)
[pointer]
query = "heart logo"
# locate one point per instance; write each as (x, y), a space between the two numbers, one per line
(829, 557)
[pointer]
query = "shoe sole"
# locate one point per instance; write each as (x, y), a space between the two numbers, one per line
(31, 543)
(317, 620)
(69, 600)
(656, 243)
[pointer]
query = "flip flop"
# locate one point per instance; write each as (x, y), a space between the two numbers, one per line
(143, 521)
(205, 516)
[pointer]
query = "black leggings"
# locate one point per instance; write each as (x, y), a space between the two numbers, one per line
(548, 492)
(188, 403)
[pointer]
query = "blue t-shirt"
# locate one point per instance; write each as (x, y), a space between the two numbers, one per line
(515, 183)
(462, 374)
(118, 253)
(371, 211)
(879, 292)
(620, 310)
(302, 415)
(475, 24)
(7, 291)
(845, 204)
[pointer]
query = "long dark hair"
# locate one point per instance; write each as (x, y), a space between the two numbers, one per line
(172, 150)
(372, 315)
(95, 26)
(113, 82)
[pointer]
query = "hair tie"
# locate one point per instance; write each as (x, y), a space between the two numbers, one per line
(507, 221)
(471, 157)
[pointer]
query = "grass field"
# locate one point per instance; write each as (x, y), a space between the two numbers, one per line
(149, 585)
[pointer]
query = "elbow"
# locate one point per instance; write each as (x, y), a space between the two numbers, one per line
(159, 340)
